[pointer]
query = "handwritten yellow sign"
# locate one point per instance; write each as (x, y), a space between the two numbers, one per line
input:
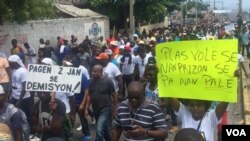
(198, 69)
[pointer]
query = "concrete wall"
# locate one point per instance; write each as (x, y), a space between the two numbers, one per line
(149, 27)
(32, 31)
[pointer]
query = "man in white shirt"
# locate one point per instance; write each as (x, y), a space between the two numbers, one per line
(245, 42)
(20, 97)
(140, 61)
(31, 54)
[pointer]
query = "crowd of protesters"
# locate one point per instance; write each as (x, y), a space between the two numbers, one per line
(119, 88)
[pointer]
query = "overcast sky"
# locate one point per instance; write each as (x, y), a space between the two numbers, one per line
(230, 4)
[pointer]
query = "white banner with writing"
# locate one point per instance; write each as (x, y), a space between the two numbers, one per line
(53, 78)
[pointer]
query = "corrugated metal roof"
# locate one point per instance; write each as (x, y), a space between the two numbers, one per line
(75, 11)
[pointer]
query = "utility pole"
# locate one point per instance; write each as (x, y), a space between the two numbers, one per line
(131, 18)
(214, 4)
(196, 13)
(240, 7)
(186, 11)
(182, 13)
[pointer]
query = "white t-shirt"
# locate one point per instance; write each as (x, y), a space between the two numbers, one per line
(111, 71)
(84, 71)
(127, 68)
(152, 95)
(18, 77)
(245, 38)
(142, 63)
(208, 124)
(117, 58)
(240, 58)
(64, 98)
(31, 59)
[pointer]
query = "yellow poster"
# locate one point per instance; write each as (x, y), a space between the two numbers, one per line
(198, 69)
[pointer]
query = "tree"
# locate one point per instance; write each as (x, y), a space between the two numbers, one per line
(200, 7)
(23, 10)
(144, 10)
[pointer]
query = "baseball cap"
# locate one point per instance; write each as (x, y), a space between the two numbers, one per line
(135, 35)
(151, 61)
(152, 39)
(42, 46)
(102, 56)
(47, 61)
(127, 48)
(121, 47)
(1, 90)
(141, 42)
(67, 63)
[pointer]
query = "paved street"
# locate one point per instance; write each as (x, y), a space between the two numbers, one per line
(246, 94)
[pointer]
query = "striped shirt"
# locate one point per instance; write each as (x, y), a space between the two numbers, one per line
(148, 116)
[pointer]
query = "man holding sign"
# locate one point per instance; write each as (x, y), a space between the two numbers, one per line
(197, 116)
(52, 78)
(199, 71)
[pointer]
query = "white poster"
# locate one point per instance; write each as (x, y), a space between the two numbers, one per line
(94, 29)
(230, 27)
(53, 78)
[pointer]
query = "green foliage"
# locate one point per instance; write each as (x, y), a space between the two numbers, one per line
(172, 5)
(40, 9)
(5, 12)
(200, 5)
(144, 10)
(192, 4)
(23, 10)
(149, 11)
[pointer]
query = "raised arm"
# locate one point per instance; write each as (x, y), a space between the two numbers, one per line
(175, 103)
(220, 109)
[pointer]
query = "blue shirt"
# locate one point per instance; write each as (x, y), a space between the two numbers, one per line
(84, 86)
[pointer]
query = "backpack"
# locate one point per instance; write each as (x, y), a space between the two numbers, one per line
(10, 111)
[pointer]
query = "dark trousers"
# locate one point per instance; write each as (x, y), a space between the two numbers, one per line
(84, 122)
(127, 79)
(170, 111)
(243, 50)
